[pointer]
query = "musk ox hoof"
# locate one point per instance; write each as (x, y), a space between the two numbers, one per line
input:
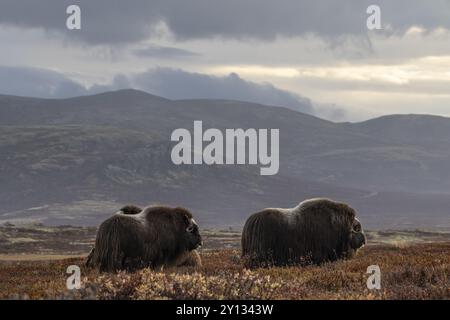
(316, 231)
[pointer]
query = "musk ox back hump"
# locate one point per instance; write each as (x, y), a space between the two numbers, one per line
(315, 231)
(130, 209)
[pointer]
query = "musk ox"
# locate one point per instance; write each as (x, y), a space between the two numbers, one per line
(155, 237)
(188, 259)
(315, 231)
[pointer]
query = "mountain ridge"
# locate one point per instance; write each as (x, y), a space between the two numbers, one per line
(95, 152)
(142, 93)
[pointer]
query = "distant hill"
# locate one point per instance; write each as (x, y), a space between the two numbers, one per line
(77, 160)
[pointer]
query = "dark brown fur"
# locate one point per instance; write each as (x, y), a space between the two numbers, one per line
(316, 231)
(155, 237)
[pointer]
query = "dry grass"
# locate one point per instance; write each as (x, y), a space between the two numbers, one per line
(419, 271)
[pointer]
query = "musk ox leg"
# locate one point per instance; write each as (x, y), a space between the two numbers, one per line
(190, 259)
(89, 259)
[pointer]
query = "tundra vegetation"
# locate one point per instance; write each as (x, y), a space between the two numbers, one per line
(414, 265)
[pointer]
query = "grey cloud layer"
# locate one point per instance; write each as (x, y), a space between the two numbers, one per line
(30, 82)
(169, 83)
(161, 52)
(110, 21)
(178, 84)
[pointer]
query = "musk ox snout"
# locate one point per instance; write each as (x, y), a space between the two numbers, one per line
(198, 243)
(316, 231)
(358, 240)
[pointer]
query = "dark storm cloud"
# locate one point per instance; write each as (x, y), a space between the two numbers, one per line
(165, 82)
(112, 21)
(178, 84)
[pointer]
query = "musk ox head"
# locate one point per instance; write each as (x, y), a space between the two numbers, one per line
(357, 236)
(190, 231)
(156, 236)
(316, 231)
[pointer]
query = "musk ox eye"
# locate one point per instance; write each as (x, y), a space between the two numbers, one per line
(190, 228)
(357, 227)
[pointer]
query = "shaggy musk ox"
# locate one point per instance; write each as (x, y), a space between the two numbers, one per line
(156, 236)
(188, 259)
(316, 231)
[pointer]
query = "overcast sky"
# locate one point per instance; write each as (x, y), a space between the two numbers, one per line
(314, 56)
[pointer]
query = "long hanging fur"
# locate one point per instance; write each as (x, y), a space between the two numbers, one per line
(111, 243)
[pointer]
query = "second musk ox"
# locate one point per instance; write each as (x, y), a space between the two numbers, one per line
(315, 231)
(156, 236)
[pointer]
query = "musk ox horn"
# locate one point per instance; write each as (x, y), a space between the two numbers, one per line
(316, 231)
(155, 237)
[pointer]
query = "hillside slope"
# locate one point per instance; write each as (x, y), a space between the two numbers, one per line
(76, 160)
